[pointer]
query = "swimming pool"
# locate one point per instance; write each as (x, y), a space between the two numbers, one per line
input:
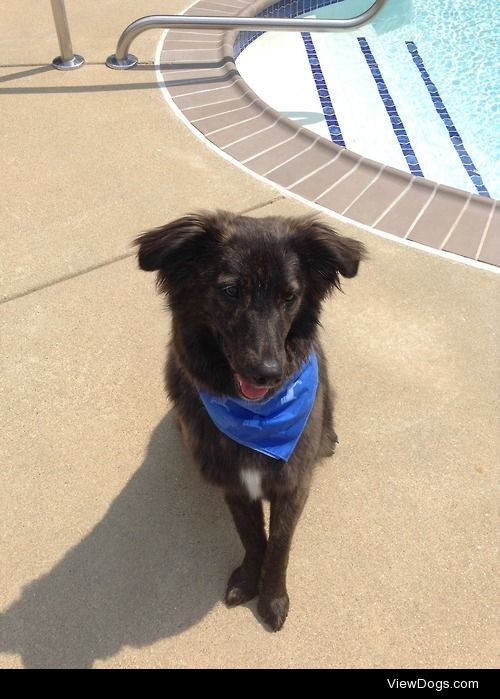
(197, 70)
(417, 89)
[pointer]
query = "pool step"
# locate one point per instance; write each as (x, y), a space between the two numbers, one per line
(378, 121)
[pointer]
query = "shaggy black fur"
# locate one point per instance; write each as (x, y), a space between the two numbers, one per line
(245, 295)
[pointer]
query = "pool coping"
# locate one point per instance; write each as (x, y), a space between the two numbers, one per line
(199, 71)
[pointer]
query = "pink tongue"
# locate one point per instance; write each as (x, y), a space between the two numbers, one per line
(251, 391)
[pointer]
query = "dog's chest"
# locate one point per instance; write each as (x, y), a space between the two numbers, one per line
(252, 480)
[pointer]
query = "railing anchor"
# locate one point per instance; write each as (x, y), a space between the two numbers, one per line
(122, 64)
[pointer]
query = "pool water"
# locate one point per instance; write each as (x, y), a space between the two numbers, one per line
(418, 88)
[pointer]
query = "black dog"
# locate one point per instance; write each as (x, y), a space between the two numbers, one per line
(245, 296)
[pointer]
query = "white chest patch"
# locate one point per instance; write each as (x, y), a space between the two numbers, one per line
(252, 480)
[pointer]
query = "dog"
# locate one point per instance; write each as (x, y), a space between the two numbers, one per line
(246, 372)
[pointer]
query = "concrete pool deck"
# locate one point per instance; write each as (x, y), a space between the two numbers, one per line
(113, 552)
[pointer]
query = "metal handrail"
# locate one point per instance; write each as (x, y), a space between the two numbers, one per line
(67, 60)
(122, 59)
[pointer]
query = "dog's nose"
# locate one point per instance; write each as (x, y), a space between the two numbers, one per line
(267, 373)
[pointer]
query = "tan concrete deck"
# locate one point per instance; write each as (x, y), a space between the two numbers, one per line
(113, 552)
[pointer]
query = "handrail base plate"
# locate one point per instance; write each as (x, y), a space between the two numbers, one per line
(75, 61)
(128, 62)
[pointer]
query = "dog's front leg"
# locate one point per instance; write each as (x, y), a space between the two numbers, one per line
(248, 517)
(286, 509)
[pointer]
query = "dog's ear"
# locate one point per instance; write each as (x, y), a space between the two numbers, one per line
(324, 253)
(174, 249)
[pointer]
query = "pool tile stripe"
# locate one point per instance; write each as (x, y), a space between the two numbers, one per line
(396, 121)
(455, 138)
(323, 92)
(282, 8)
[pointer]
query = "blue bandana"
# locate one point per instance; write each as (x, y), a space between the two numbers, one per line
(272, 427)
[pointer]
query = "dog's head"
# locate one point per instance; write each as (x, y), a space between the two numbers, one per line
(254, 285)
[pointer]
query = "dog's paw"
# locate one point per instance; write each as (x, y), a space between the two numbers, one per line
(330, 450)
(274, 611)
(240, 588)
(329, 445)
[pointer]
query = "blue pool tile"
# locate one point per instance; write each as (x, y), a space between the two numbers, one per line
(282, 8)
(390, 107)
(440, 108)
(323, 92)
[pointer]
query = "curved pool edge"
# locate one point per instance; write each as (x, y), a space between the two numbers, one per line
(197, 70)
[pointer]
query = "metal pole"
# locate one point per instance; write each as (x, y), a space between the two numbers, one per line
(122, 59)
(67, 60)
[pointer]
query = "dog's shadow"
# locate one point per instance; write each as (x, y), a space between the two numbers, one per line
(153, 566)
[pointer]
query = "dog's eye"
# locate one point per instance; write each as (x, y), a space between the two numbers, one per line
(231, 291)
(290, 298)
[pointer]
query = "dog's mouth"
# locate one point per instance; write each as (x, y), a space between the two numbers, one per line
(251, 391)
